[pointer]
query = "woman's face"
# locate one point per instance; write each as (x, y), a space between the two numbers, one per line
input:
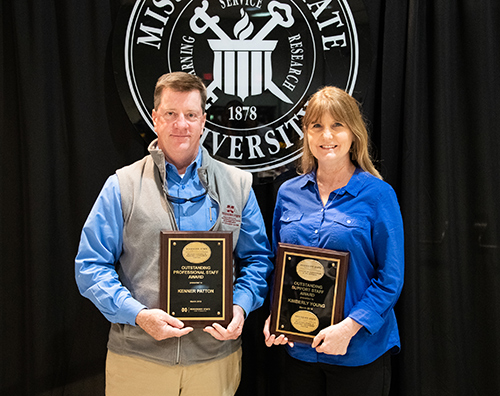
(330, 141)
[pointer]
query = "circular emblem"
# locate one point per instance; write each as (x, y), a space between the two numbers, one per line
(196, 252)
(259, 59)
(310, 270)
(304, 321)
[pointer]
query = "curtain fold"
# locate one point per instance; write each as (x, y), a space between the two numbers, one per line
(448, 310)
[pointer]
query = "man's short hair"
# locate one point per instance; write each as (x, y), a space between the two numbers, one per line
(180, 82)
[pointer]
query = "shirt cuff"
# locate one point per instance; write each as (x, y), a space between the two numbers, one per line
(366, 317)
(130, 308)
(244, 300)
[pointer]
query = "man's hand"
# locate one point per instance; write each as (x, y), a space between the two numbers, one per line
(335, 339)
(160, 325)
(234, 328)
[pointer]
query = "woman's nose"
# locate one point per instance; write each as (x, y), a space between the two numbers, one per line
(328, 132)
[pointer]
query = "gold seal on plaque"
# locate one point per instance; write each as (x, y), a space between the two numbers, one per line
(310, 270)
(196, 252)
(304, 321)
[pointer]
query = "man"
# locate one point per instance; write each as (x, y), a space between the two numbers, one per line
(177, 187)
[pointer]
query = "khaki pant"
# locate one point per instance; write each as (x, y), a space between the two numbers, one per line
(131, 376)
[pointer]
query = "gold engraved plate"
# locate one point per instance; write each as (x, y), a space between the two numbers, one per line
(304, 321)
(196, 252)
(310, 270)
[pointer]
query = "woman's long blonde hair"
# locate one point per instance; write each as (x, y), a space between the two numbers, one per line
(346, 110)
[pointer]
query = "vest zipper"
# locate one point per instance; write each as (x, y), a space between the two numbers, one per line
(178, 357)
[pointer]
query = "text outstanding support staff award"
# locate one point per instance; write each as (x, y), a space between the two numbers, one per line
(309, 291)
(196, 276)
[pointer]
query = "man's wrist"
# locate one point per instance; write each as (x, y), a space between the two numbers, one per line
(242, 310)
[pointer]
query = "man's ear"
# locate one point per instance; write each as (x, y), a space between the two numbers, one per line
(154, 115)
(203, 126)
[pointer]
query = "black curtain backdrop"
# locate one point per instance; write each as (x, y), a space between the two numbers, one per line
(431, 99)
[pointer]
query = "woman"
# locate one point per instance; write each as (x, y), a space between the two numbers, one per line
(341, 203)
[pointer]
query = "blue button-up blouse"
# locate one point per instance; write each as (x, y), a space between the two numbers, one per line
(364, 219)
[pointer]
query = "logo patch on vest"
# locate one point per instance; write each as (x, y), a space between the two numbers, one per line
(230, 218)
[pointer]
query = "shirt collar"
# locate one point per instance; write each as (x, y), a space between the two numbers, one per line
(353, 186)
(191, 170)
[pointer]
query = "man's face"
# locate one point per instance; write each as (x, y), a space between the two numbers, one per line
(179, 122)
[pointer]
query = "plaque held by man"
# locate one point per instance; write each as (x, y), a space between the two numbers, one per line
(309, 291)
(196, 276)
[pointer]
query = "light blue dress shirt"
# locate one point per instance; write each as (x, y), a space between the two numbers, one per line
(191, 216)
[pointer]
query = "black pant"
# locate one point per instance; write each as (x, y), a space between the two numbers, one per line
(321, 379)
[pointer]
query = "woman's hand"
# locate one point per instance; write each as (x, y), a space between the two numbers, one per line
(335, 339)
(271, 339)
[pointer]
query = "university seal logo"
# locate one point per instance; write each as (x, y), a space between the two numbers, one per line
(260, 61)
